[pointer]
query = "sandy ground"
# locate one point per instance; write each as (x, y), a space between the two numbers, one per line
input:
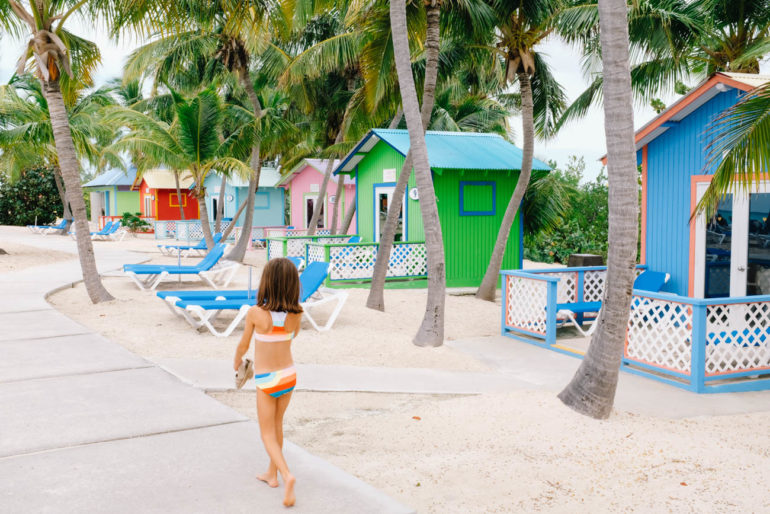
(526, 452)
(21, 256)
(361, 337)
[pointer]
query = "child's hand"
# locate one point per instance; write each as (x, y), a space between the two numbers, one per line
(237, 364)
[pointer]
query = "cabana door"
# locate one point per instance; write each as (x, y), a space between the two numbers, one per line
(732, 251)
(383, 197)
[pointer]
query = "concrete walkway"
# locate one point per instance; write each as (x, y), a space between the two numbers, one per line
(86, 426)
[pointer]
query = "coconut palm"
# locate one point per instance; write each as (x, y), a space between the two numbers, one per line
(592, 389)
(465, 19)
(521, 27)
(676, 41)
(431, 331)
(56, 55)
(191, 143)
(206, 39)
(739, 148)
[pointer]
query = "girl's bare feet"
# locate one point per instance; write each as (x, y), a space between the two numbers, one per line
(270, 479)
(288, 498)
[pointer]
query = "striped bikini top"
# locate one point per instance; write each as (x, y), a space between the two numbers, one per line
(278, 333)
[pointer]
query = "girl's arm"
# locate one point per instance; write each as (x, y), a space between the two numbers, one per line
(245, 342)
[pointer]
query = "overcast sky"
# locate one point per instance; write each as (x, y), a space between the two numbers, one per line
(582, 138)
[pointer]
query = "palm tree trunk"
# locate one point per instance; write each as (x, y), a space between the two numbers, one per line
(70, 170)
(349, 217)
(179, 194)
(376, 298)
(203, 214)
(337, 195)
(239, 250)
(592, 389)
(431, 331)
(325, 183)
(220, 205)
(400, 111)
(66, 211)
(231, 226)
(488, 285)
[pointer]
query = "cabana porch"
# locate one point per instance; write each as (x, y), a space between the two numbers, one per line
(703, 345)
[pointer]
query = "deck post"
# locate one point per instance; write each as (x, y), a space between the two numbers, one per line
(550, 324)
(698, 349)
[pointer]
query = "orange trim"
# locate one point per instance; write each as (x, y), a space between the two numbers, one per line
(718, 78)
(694, 181)
(643, 249)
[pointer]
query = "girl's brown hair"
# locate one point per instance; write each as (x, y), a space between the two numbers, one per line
(279, 287)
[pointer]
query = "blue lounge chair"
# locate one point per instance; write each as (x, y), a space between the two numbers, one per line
(201, 308)
(104, 231)
(115, 233)
(44, 229)
(210, 270)
(652, 281)
(187, 250)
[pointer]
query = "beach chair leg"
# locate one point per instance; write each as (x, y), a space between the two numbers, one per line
(204, 275)
(229, 273)
(161, 277)
(339, 296)
(139, 283)
(170, 302)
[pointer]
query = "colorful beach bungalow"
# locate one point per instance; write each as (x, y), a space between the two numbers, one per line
(111, 194)
(474, 176)
(269, 208)
(304, 183)
(158, 197)
(708, 330)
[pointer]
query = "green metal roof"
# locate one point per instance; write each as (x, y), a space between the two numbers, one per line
(446, 150)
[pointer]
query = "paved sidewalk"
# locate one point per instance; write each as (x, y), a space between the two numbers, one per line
(86, 426)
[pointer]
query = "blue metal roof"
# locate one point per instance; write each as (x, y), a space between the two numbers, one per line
(114, 177)
(447, 150)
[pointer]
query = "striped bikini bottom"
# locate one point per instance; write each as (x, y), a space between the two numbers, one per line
(277, 383)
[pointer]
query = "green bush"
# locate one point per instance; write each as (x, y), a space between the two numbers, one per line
(134, 223)
(582, 228)
(33, 195)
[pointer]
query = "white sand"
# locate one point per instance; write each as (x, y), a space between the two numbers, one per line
(21, 256)
(361, 337)
(526, 452)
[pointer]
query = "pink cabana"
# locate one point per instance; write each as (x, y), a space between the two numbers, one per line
(304, 183)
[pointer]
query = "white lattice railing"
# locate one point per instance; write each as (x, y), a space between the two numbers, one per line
(714, 345)
(295, 246)
(660, 334)
(164, 229)
(258, 234)
(295, 232)
(737, 338)
(354, 262)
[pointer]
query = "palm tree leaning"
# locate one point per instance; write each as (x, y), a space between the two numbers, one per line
(376, 298)
(49, 51)
(739, 149)
(521, 27)
(592, 389)
(191, 142)
(431, 331)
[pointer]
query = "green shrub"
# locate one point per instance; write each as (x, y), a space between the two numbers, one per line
(134, 223)
(33, 195)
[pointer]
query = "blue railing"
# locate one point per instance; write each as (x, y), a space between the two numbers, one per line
(703, 345)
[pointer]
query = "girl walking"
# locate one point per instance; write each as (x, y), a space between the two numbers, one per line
(273, 322)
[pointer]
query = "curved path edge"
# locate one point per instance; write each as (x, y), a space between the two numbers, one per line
(89, 426)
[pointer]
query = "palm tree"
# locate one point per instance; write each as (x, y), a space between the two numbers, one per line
(592, 389)
(191, 143)
(522, 26)
(739, 148)
(431, 332)
(676, 41)
(465, 19)
(209, 39)
(54, 53)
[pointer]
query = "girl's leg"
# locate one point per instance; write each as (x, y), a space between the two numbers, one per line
(270, 477)
(266, 414)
